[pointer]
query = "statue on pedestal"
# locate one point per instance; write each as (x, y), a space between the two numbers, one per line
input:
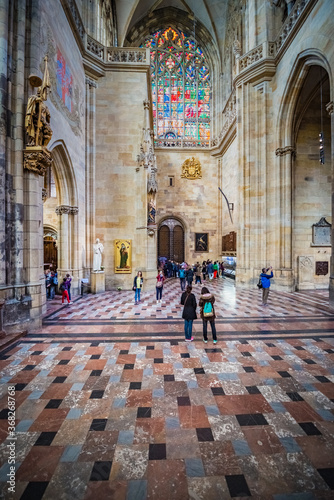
(97, 258)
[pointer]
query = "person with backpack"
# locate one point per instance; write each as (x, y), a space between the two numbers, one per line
(64, 289)
(182, 275)
(265, 282)
(188, 300)
(206, 302)
(69, 280)
(53, 284)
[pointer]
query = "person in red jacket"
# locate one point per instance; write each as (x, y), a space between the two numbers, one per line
(159, 286)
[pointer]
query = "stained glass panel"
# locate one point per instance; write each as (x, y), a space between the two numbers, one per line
(180, 87)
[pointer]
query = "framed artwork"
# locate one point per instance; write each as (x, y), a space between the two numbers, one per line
(201, 242)
(123, 257)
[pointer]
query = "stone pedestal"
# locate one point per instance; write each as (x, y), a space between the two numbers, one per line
(97, 282)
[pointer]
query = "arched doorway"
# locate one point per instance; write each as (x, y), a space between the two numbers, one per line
(171, 240)
(50, 249)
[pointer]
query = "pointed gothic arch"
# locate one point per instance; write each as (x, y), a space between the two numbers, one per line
(287, 123)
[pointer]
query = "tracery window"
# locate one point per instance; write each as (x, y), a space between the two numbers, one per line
(180, 89)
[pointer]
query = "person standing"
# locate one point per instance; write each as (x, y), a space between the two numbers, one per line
(48, 284)
(188, 300)
(215, 270)
(265, 281)
(69, 281)
(222, 269)
(198, 274)
(53, 284)
(64, 289)
(182, 275)
(189, 276)
(210, 270)
(204, 269)
(159, 286)
(206, 302)
(137, 286)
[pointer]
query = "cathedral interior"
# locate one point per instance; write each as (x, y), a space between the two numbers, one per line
(139, 132)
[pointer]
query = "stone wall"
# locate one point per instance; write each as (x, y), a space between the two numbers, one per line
(194, 202)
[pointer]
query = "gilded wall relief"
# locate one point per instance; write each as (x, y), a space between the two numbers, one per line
(191, 169)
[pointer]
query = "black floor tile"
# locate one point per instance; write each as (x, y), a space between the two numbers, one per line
(150, 348)
(66, 348)
(158, 360)
(199, 371)
(95, 356)
(299, 348)
(169, 378)
(204, 434)
(54, 403)
(101, 471)
(252, 389)
(251, 419)
(284, 374)
(217, 391)
(237, 486)
(96, 394)
(294, 396)
(20, 387)
(144, 412)
(246, 354)
(34, 490)
(59, 380)
(135, 385)
(277, 358)
(328, 476)
(183, 401)
(36, 353)
(157, 451)
(309, 428)
(98, 424)
(95, 344)
(249, 369)
(4, 414)
(45, 439)
(129, 366)
(124, 351)
(310, 361)
(64, 362)
(28, 368)
(95, 373)
(322, 379)
(185, 355)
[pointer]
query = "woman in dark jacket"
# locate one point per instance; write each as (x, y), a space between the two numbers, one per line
(206, 301)
(188, 300)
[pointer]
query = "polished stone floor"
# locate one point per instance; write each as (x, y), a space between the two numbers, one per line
(112, 403)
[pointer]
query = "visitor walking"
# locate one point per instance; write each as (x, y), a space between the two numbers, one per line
(137, 286)
(182, 275)
(204, 270)
(53, 284)
(159, 286)
(69, 281)
(265, 281)
(48, 284)
(188, 300)
(206, 302)
(215, 270)
(64, 289)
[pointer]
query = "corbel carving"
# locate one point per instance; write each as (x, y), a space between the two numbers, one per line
(66, 209)
(287, 150)
(330, 107)
(36, 159)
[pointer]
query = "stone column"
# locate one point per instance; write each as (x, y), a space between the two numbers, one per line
(330, 110)
(64, 246)
(90, 172)
(4, 7)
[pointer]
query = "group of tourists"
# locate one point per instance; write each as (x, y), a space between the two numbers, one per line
(51, 283)
(207, 270)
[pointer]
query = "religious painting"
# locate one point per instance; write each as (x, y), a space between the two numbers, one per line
(64, 81)
(201, 242)
(122, 251)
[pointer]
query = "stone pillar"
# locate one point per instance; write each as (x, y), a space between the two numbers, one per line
(90, 172)
(4, 7)
(64, 247)
(330, 110)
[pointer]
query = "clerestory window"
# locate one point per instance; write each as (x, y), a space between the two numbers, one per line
(180, 89)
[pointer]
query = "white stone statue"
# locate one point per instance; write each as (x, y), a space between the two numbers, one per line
(97, 258)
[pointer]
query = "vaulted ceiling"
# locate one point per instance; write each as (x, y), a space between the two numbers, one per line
(211, 13)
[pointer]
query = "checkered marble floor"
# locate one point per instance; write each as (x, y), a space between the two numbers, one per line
(111, 403)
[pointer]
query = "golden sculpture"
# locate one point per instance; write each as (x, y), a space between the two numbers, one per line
(191, 169)
(37, 120)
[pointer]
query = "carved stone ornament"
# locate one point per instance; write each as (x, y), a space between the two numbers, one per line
(151, 230)
(44, 194)
(330, 107)
(191, 169)
(36, 159)
(237, 48)
(66, 209)
(321, 268)
(284, 151)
